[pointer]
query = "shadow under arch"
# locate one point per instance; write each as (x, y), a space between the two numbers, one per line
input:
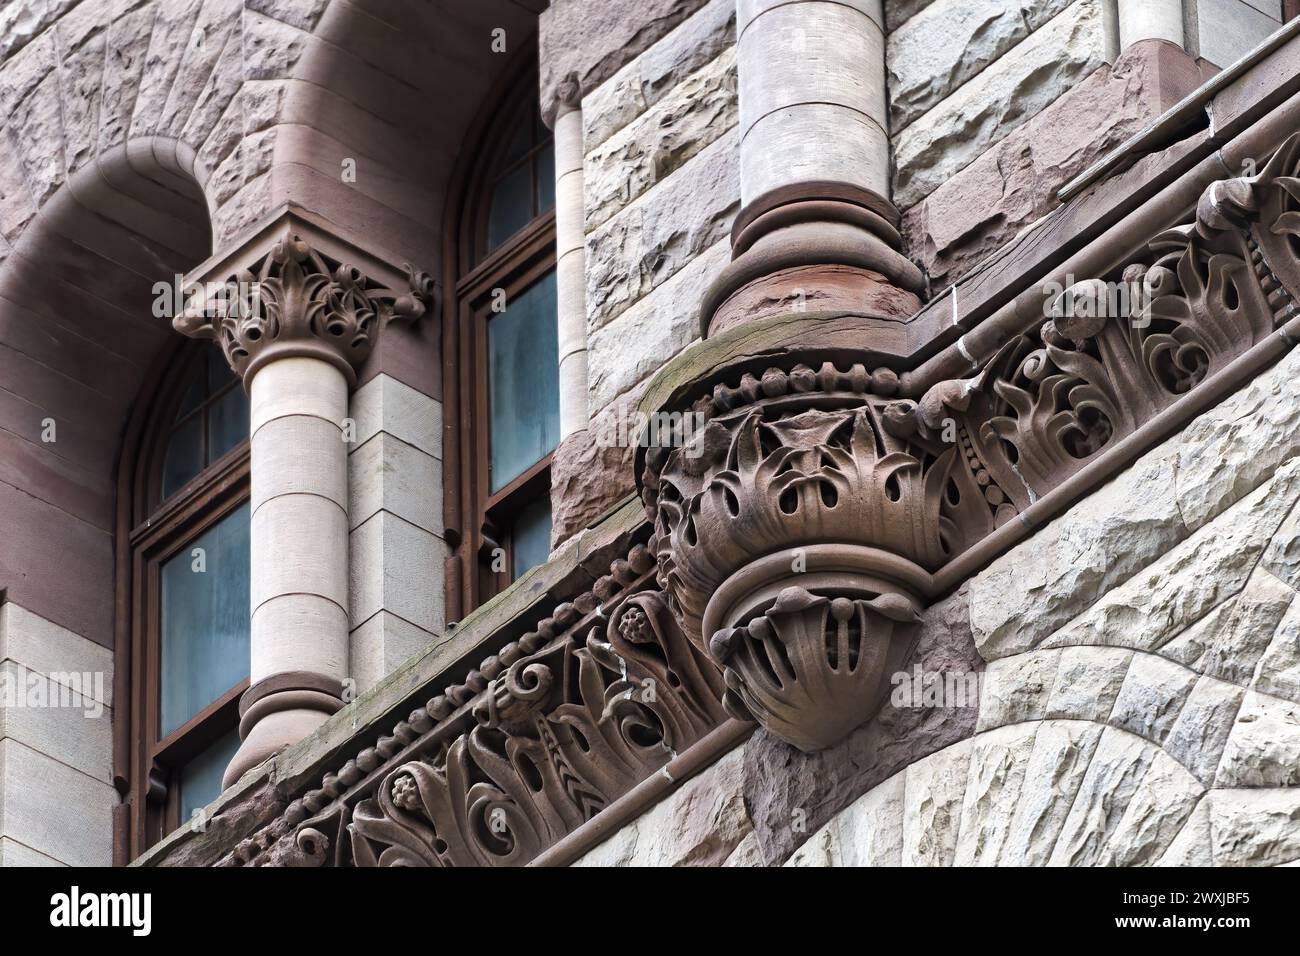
(84, 340)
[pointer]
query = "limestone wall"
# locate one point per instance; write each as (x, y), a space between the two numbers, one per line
(56, 718)
(1140, 702)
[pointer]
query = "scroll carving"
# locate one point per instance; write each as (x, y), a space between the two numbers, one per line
(575, 715)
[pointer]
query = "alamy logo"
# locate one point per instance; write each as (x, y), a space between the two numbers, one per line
(78, 690)
(74, 909)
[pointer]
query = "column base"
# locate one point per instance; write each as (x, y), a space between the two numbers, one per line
(276, 713)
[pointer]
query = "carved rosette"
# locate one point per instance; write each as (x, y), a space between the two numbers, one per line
(298, 301)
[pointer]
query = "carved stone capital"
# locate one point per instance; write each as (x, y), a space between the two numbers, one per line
(297, 299)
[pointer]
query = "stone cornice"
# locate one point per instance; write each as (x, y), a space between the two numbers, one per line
(293, 288)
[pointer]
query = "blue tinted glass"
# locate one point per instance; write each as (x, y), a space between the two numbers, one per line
(512, 206)
(227, 423)
(531, 536)
(205, 611)
(523, 382)
(201, 777)
(184, 456)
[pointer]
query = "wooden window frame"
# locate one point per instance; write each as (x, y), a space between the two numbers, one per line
(151, 531)
(477, 518)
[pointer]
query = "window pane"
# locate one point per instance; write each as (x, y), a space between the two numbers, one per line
(201, 777)
(531, 536)
(523, 382)
(219, 373)
(204, 619)
(193, 398)
(227, 423)
(545, 178)
(512, 206)
(184, 456)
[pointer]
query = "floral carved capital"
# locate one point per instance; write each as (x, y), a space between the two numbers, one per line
(299, 301)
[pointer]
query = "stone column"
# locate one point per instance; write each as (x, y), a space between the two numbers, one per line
(570, 270)
(1150, 20)
(816, 228)
(296, 328)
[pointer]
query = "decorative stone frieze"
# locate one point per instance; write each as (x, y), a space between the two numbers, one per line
(799, 531)
(542, 736)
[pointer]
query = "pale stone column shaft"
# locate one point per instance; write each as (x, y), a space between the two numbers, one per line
(570, 270)
(812, 94)
(1150, 20)
(299, 550)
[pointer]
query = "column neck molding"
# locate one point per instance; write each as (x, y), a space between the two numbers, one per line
(291, 288)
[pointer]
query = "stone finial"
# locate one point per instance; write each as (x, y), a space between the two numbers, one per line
(299, 301)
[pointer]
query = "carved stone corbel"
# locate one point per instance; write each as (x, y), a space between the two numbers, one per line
(799, 530)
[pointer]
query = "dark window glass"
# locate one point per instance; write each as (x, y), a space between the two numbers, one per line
(211, 420)
(523, 382)
(511, 206)
(201, 777)
(204, 619)
(227, 423)
(184, 458)
(522, 187)
(530, 536)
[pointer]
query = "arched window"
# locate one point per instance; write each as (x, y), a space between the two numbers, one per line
(508, 352)
(189, 599)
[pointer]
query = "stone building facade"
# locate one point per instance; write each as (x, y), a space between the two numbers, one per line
(711, 432)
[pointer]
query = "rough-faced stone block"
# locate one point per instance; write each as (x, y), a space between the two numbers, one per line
(1038, 586)
(658, 235)
(698, 110)
(1060, 757)
(1254, 827)
(1088, 680)
(638, 342)
(1263, 749)
(1197, 737)
(1154, 816)
(1152, 697)
(594, 41)
(1003, 97)
(932, 799)
(998, 760)
(985, 206)
(651, 76)
(1118, 765)
(1017, 688)
(951, 41)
